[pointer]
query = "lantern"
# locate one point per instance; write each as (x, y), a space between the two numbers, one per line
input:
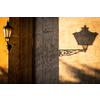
(7, 32)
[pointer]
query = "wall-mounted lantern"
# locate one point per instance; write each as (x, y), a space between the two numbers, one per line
(84, 38)
(7, 34)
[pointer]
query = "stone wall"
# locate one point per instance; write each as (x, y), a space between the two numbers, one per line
(46, 57)
(34, 60)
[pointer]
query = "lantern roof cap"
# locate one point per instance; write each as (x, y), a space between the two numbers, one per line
(7, 26)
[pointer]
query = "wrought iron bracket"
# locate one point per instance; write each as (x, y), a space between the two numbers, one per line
(8, 46)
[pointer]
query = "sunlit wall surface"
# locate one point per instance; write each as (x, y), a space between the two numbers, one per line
(3, 52)
(83, 67)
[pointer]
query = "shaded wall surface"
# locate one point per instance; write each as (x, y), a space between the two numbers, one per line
(20, 55)
(83, 67)
(46, 57)
(3, 52)
(34, 60)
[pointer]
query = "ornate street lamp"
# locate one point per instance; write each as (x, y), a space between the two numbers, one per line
(84, 38)
(7, 34)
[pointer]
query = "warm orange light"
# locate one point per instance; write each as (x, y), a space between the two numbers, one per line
(3, 52)
(84, 67)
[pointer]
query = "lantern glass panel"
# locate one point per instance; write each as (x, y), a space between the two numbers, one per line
(4, 33)
(7, 32)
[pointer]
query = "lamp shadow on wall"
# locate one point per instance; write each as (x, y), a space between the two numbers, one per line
(3, 76)
(82, 75)
(83, 38)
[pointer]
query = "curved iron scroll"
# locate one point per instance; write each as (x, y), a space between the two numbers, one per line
(69, 52)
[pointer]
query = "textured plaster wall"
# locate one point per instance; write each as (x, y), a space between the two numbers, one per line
(85, 66)
(3, 52)
(46, 57)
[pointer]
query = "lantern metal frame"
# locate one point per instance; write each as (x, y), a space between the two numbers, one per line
(7, 35)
